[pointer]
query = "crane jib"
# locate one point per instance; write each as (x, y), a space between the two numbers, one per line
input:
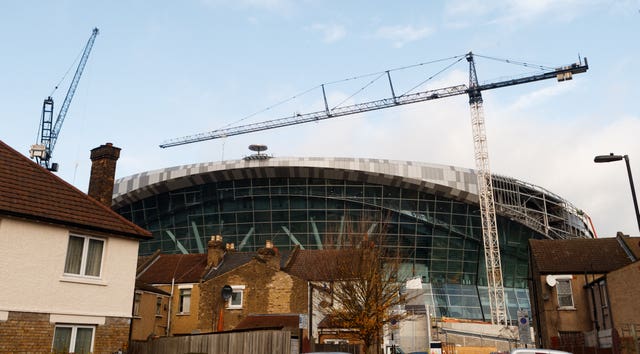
(562, 73)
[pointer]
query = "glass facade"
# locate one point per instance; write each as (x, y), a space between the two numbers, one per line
(439, 238)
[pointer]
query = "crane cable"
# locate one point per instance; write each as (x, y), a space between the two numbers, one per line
(39, 132)
(67, 73)
(380, 74)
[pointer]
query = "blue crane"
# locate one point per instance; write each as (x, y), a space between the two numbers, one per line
(50, 131)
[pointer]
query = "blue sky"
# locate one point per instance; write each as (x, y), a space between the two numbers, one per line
(165, 69)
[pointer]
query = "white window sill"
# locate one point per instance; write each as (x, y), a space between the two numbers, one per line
(566, 308)
(83, 280)
(234, 308)
(182, 314)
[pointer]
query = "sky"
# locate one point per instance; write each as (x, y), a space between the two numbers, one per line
(166, 69)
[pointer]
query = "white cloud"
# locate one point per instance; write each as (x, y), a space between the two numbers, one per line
(278, 6)
(330, 32)
(462, 13)
(401, 35)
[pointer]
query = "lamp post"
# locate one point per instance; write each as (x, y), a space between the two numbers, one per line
(611, 157)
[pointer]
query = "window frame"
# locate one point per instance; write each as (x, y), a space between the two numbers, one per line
(236, 289)
(86, 240)
(137, 299)
(74, 334)
(182, 296)
(563, 295)
(158, 306)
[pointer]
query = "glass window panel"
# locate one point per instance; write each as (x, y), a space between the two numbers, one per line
(62, 339)
(83, 340)
(185, 300)
(236, 298)
(94, 257)
(74, 255)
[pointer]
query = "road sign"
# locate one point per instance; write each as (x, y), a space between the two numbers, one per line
(524, 329)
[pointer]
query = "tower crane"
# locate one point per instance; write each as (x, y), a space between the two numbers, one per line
(484, 181)
(48, 130)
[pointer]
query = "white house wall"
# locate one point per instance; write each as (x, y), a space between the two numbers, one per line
(32, 258)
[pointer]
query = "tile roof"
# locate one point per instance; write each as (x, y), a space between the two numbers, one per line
(317, 265)
(233, 260)
(182, 268)
(575, 256)
(285, 321)
(29, 191)
(150, 288)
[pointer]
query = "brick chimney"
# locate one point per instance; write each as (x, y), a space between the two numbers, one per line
(215, 251)
(103, 173)
(269, 255)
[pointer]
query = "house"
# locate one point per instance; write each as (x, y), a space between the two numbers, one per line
(584, 291)
(150, 312)
(67, 261)
(175, 310)
(254, 283)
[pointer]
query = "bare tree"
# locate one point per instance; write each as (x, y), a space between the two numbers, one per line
(367, 286)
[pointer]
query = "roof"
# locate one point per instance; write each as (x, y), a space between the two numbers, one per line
(448, 181)
(459, 183)
(576, 256)
(181, 268)
(29, 191)
(254, 321)
(150, 288)
(233, 260)
(317, 265)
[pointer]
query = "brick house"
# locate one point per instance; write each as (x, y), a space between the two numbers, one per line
(176, 313)
(258, 283)
(68, 261)
(584, 291)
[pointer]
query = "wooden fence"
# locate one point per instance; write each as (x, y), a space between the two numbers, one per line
(255, 342)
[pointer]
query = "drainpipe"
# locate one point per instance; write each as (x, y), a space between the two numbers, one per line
(310, 296)
(169, 312)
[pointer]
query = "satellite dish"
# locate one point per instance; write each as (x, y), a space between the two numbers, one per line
(551, 280)
(257, 147)
(226, 292)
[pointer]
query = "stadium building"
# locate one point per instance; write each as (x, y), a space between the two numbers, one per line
(431, 215)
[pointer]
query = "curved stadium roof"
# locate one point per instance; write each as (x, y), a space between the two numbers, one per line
(528, 204)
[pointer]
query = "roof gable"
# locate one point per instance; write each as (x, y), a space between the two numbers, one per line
(29, 191)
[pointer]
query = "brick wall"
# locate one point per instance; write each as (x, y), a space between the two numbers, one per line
(27, 332)
(111, 336)
(623, 288)
(267, 291)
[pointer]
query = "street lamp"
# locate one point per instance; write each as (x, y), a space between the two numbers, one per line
(611, 157)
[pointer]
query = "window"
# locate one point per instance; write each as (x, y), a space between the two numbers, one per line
(136, 303)
(565, 295)
(185, 300)
(73, 339)
(235, 301)
(84, 256)
(158, 306)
